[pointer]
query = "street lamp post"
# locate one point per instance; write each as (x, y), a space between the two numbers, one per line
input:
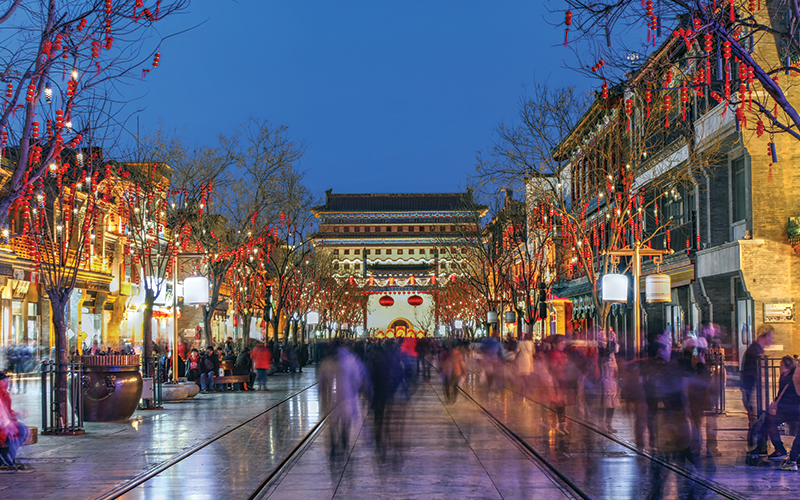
(637, 252)
(175, 374)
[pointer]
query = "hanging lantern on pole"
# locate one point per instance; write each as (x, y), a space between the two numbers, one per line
(195, 290)
(491, 317)
(511, 317)
(615, 288)
(658, 288)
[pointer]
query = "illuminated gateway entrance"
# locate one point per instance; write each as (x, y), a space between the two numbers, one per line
(397, 248)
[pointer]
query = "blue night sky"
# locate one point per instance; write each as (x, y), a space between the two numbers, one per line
(389, 97)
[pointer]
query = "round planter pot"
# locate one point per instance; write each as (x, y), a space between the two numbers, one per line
(192, 389)
(173, 393)
(110, 392)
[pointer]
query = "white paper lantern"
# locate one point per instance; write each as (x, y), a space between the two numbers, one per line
(491, 317)
(458, 324)
(511, 317)
(658, 288)
(615, 288)
(312, 318)
(195, 290)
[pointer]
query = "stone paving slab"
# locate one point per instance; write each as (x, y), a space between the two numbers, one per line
(82, 467)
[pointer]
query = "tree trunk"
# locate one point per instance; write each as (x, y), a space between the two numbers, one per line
(246, 320)
(208, 315)
(147, 333)
(59, 305)
(286, 329)
(275, 321)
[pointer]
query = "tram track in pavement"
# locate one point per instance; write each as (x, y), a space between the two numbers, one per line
(555, 474)
(564, 483)
(153, 472)
(698, 479)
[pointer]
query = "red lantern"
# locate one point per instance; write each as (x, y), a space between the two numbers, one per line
(236, 321)
(386, 301)
(415, 300)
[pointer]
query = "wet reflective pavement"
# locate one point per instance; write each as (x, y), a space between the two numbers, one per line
(434, 452)
(83, 467)
(431, 450)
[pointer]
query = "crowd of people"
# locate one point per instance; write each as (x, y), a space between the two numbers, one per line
(203, 366)
(20, 361)
(669, 391)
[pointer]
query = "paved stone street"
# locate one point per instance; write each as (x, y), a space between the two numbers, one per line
(431, 450)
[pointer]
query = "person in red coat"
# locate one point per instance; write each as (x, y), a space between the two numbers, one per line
(12, 432)
(558, 365)
(262, 360)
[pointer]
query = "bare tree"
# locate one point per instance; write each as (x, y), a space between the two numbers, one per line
(737, 52)
(61, 65)
(61, 216)
(600, 179)
(166, 195)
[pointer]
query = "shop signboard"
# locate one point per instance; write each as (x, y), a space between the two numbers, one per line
(779, 313)
(793, 231)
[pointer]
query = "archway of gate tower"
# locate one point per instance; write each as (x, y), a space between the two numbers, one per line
(419, 317)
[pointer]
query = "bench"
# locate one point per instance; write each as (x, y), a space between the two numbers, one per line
(228, 377)
(231, 379)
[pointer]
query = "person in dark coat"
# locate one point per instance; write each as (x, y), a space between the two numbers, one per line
(787, 411)
(244, 366)
(749, 374)
(209, 368)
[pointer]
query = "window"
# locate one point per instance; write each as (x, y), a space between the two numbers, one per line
(377, 251)
(337, 229)
(346, 229)
(347, 251)
(410, 251)
(357, 266)
(452, 229)
(399, 229)
(421, 251)
(739, 192)
(388, 251)
(335, 251)
(347, 267)
(366, 252)
(336, 266)
(358, 251)
(399, 251)
(421, 229)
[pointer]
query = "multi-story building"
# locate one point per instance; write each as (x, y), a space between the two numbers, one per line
(397, 248)
(730, 219)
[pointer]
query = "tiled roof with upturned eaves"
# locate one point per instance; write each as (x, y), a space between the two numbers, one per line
(399, 202)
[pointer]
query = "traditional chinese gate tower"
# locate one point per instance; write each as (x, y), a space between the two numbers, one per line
(398, 248)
